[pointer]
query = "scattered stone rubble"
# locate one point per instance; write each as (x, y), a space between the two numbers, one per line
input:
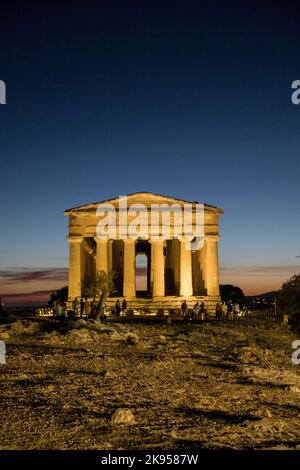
(89, 385)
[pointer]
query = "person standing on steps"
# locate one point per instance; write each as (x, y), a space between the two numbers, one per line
(196, 311)
(118, 308)
(124, 306)
(81, 307)
(184, 310)
(87, 307)
(218, 311)
(75, 306)
(202, 312)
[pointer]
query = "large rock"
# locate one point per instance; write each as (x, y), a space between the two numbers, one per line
(132, 338)
(123, 416)
(81, 336)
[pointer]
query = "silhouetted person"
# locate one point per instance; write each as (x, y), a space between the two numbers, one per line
(55, 305)
(87, 308)
(118, 308)
(81, 307)
(59, 308)
(196, 311)
(124, 305)
(75, 306)
(229, 310)
(1, 308)
(224, 311)
(236, 310)
(64, 309)
(184, 309)
(202, 312)
(218, 311)
(92, 310)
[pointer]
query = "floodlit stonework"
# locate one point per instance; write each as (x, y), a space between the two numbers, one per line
(173, 272)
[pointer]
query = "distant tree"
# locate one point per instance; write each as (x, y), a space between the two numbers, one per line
(61, 294)
(288, 299)
(230, 292)
(101, 284)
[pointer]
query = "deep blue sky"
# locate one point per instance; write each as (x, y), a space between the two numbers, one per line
(190, 99)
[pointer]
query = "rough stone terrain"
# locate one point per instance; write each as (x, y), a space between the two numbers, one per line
(149, 386)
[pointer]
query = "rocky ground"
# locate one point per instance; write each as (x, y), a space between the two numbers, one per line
(149, 386)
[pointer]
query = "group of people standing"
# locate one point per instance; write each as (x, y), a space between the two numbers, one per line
(119, 308)
(199, 312)
(87, 308)
(60, 308)
(224, 311)
(80, 308)
(84, 308)
(227, 311)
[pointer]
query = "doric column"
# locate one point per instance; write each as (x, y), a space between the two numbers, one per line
(186, 282)
(176, 250)
(158, 268)
(109, 256)
(212, 266)
(75, 267)
(202, 262)
(101, 255)
(198, 271)
(129, 268)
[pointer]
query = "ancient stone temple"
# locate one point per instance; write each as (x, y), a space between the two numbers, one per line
(145, 226)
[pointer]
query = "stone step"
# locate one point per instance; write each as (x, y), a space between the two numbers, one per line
(165, 303)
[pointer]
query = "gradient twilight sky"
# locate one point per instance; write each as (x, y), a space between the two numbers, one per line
(185, 98)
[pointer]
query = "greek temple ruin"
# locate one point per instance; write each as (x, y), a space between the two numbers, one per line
(175, 267)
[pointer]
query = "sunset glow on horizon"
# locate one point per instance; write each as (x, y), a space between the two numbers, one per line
(33, 287)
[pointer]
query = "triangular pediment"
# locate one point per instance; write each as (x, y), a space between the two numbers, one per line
(146, 198)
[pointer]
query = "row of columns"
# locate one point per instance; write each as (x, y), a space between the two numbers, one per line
(209, 259)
